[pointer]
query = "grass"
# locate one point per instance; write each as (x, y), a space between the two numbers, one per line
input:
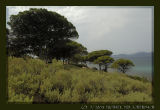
(33, 81)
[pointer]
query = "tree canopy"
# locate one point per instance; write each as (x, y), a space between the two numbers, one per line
(95, 54)
(122, 65)
(73, 48)
(104, 60)
(38, 31)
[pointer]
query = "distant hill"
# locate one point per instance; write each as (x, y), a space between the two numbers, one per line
(135, 55)
(143, 63)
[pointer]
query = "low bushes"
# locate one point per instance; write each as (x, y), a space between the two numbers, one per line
(33, 81)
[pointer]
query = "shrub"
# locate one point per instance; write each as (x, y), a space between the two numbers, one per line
(80, 65)
(33, 81)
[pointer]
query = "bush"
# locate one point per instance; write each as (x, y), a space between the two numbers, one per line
(94, 68)
(33, 81)
(139, 78)
(80, 65)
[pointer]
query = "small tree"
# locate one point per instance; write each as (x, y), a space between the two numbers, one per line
(104, 60)
(122, 65)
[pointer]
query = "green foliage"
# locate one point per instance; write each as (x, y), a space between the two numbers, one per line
(33, 81)
(80, 65)
(94, 68)
(74, 51)
(122, 65)
(38, 31)
(20, 98)
(104, 60)
(76, 58)
(138, 78)
(77, 47)
(95, 54)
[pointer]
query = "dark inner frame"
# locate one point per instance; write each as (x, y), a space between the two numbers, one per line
(3, 57)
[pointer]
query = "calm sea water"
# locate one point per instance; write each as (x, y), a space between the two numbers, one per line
(143, 67)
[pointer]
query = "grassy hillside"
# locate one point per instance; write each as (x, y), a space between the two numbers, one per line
(32, 80)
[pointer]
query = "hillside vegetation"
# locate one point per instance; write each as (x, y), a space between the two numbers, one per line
(34, 81)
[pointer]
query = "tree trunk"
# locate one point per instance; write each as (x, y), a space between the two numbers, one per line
(46, 61)
(68, 61)
(85, 63)
(99, 67)
(124, 69)
(106, 68)
(63, 61)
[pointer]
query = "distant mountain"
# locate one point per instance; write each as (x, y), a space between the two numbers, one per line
(135, 55)
(139, 59)
(143, 62)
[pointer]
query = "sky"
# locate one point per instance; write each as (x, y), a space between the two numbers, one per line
(122, 30)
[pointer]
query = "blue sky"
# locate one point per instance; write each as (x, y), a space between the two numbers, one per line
(119, 29)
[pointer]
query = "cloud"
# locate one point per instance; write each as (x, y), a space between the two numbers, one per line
(120, 29)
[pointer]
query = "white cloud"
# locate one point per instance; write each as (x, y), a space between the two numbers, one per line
(120, 29)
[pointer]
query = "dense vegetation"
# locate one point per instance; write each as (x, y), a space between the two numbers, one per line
(32, 80)
(48, 35)
(40, 32)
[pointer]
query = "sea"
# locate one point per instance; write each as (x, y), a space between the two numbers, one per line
(144, 66)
